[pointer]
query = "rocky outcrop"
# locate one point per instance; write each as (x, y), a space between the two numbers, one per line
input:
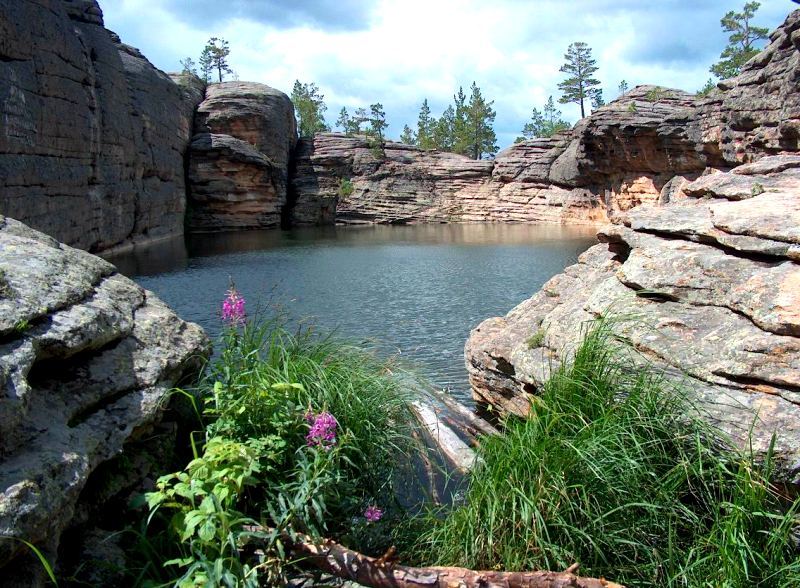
(87, 358)
(93, 137)
(626, 153)
(245, 134)
(641, 148)
(707, 288)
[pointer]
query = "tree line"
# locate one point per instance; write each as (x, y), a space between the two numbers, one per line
(467, 125)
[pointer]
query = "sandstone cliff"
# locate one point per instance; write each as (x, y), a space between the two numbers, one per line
(87, 358)
(93, 137)
(624, 154)
(239, 158)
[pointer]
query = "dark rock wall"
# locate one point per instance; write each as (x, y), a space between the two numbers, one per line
(93, 136)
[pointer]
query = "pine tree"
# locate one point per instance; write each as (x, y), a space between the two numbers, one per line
(444, 132)
(741, 43)
(579, 67)
(425, 126)
(309, 106)
(408, 137)
(377, 126)
(359, 118)
(461, 142)
(623, 87)
(597, 98)
(344, 121)
(189, 66)
(215, 57)
(479, 119)
(543, 124)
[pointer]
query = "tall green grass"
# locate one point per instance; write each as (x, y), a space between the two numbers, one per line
(609, 471)
(255, 467)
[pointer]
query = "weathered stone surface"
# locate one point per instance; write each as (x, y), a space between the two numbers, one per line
(758, 112)
(86, 359)
(245, 134)
(707, 289)
(92, 136)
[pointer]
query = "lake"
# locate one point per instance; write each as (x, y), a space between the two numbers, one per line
(413, 292)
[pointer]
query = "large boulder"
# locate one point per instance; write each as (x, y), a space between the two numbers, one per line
(93, 136)
(245, 134)
(87, 359)
(706, 288)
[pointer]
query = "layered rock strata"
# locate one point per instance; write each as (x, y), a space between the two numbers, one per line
(92, 136)
(706, 288)
(87, 358)
(245, 134)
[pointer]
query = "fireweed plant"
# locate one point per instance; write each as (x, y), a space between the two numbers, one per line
(302, 435)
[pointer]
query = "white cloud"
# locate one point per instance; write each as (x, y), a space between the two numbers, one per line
(407, 50)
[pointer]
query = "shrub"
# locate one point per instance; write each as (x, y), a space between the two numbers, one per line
(345, 188)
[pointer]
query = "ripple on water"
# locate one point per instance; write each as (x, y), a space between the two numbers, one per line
(411, 291)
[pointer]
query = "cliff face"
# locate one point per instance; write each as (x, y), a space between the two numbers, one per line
(624, 154)
(703, 277)
(92, 136)
(239, 158)
(87, 361)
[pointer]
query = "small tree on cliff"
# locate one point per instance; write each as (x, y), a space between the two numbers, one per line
(346, 122)
(444, 132)
(741, 42)
(425, 126)
(543, 124)
(215, 58)
(377, 126)
(580, 84)
(408, 137)
(309, 106)
(480, 120)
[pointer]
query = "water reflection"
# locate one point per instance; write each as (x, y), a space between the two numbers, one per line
(414, 291)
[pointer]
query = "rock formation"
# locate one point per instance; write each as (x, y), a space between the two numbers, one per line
(239, 160)
(87, 358)
(624, 154)
(707, 288)
(93, 137)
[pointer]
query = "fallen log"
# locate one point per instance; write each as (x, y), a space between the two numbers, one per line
(347, 564)
(457, 452)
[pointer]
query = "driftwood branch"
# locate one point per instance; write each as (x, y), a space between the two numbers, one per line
(350, 565)
(347, 564)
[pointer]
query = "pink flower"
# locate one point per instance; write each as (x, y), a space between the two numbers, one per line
(373, 514)
(233, 308)
(323, 430)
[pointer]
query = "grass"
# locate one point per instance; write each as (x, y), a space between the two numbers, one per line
(536, 339)
(608, 471)
(256, 463)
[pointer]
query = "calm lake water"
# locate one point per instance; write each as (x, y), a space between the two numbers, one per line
(409, 291)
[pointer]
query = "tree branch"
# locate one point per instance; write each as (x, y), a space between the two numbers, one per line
(347, 564)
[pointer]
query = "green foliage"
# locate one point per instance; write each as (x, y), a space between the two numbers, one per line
(479, 115)
(345, 188)
(657, 93)
(309, 105)
(444, 131)
(425, 127)
(622, 88)
(256, 466)
(188, 66)
(408, 137)
(39, 555)
(543, 124)
(709, 87)
(375, 132)
(741, 42)
(632, 107)
(22, 326)
(579, 68)
(536, 339)
(757, 188)
(346, 123)
(608, 471)
(215, 57)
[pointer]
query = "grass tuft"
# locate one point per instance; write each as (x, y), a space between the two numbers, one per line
(608, 471)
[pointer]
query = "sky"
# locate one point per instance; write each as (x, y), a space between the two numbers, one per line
(398, 52)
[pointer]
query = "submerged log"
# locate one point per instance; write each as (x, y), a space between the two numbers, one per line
(457, 452)
(347, 564)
